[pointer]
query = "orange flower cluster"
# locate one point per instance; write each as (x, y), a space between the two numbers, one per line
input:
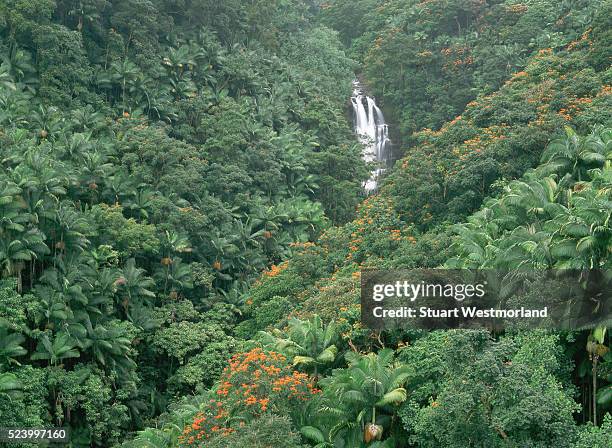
(461, 56)
(204, 427)
(467, 61)
(605, 91)
(302, 245)
(584, 38)
(517, 8)
(355, 242)
(455, 120)
(574, 108)
(426, 132)
(518, 76)
(490, 135)
(374, 212)
(579, 103)
(240, 362)
(542, 117)
(565, 114)
(545, 52)
(294, 382)
(276, 269)
(253, 383)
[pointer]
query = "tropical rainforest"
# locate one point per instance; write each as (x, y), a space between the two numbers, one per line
(183, 222)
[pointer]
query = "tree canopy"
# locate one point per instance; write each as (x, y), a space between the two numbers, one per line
(183, 222)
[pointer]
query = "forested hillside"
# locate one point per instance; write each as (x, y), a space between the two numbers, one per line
(156, 158)
(183, 223)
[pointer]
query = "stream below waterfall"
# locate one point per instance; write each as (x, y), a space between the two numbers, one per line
(373, 132)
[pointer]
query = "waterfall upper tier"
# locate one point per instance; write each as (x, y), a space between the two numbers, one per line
(372, 131)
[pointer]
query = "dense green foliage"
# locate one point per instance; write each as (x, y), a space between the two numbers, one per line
(437, 56)
(182, 224)
(152, 165)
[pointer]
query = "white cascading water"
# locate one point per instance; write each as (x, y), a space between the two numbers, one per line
(373, 133)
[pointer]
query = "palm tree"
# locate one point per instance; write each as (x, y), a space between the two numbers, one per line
(18, 65)
(134, 286)
(574, 154)
(11, 218)
(6, 80)
(140, 203)
(176, 276)
(370, 383)
(180, 63)
(10, 386)
(119, 187)
(53, 306)
(39, 170)
(75, 145)
(85, 12)
(185, 58)
(584, 231)
(151, 438)
(532, 199)
(68, 230)
(308, 343)
(62, 347)
(108, 346)
(175, 242)
(223, 250)
(300, 218)
(159, 103)
(48, 121)
(475, 245)
(526, 247)
(511, 232)
(86, 119)
(596, 349)
(123, 75)
(13, 112)
(94, 169)
(10, 347)
(15, 251)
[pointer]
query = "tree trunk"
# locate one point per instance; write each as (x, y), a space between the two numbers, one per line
(594, 394)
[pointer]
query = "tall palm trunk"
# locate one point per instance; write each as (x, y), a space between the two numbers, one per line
(594, 390)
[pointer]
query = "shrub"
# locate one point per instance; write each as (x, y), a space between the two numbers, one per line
(263, 432)
(254, 383)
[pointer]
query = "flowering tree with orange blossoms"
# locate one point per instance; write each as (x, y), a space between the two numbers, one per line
(254, 383)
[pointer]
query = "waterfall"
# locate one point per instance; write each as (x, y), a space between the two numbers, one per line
(373, 133)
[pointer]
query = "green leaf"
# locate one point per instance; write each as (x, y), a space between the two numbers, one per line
(303, 360)
(313, 434)
(398, 395)
(354, 395)
(328, 355)
(599, 334)
(604, 396)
